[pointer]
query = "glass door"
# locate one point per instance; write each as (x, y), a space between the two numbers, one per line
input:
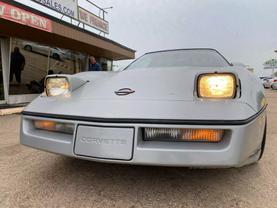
(2, 97)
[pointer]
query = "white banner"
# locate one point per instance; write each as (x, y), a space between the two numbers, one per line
(66, 7)
(93, 20)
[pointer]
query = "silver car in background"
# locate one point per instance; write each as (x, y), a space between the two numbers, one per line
(274, 83)
(187, 107)
(270, 83)
(267, 82)
(54, 52)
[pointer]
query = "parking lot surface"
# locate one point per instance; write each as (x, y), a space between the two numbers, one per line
(32, 178)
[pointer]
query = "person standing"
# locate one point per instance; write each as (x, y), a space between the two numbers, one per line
(17, 65)
(93, 65)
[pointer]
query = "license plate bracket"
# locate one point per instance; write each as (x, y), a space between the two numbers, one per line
(113, 143)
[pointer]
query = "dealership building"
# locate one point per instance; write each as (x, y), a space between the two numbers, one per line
(34, 44)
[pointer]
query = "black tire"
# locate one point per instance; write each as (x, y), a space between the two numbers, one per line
(28, 48)
(56, 56)
(263, 142)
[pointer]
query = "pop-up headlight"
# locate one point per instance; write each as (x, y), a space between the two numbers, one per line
(56, 86)
(217, 85)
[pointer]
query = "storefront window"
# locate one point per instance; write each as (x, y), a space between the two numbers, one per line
(32, 62)
(110, 65)
(66, 62)
(28, 67)
(106, 64)
(1, 78)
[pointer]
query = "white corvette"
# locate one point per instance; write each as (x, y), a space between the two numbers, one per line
(186, 107)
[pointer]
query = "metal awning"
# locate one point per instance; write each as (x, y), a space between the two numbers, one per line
(65, 35)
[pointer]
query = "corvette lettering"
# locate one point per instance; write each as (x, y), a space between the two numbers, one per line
(100, 141)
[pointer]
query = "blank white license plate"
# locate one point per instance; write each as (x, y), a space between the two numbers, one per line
(104, 142)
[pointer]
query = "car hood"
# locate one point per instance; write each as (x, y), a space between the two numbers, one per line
(167, 93)
(147, 84)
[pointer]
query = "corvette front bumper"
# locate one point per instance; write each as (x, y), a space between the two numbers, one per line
(123, 143)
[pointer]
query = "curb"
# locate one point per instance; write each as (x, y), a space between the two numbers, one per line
(9, 111)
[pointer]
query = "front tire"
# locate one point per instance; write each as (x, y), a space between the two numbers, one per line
(56, 56)
(28, 48)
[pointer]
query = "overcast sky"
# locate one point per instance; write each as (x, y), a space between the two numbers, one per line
(242, 30)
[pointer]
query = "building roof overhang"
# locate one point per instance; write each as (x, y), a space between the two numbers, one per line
(65, 35)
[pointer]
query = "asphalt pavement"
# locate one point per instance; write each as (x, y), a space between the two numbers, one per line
(32, 178)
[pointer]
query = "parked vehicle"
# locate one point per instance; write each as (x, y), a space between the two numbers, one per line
(273, 83)
(267, 77)
(267, 82)
(56, 53)
(187, 107)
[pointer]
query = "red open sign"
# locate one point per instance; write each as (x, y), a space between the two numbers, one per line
(23, 17)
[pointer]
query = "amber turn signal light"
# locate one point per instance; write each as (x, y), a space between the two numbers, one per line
(183, 135)
(66, 128)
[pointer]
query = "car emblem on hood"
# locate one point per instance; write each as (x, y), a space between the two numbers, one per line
(124, 91)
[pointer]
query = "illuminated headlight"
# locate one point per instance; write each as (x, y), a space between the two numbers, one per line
(185, 135)
(217, 85)
(54, 126)
(56, 86)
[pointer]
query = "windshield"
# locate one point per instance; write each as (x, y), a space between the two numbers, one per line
(180, 58)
